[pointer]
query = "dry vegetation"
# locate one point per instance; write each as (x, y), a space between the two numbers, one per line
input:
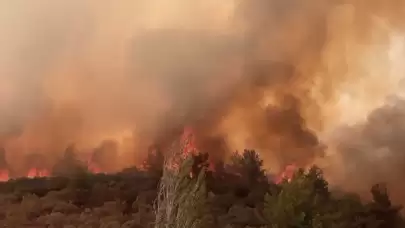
(190, 196)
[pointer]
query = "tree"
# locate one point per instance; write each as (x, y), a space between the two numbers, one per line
(249, 167)
(382, 208)
(305, 201)
(69, 165)
(154, 162)
(295, 203)
(182, 199)
(200, 163)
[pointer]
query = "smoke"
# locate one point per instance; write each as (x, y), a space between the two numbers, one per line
(122, 76)
(84, 72)
(371, 151)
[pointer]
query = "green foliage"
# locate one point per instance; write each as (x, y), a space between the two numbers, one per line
(306, 202)
(296, 202)
(249, 167)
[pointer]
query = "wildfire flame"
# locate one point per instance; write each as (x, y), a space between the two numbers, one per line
(287, 174)
(34, 172)
(4, 175)
(188, 141)
(93, 168)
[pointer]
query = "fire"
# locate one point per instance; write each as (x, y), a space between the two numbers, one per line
(35, 172)
(4, 175)
(189, 147)
(93, 168)
(188, 141)
(287, 174)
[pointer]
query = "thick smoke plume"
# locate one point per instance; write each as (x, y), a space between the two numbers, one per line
(120, 77)
(372, 151)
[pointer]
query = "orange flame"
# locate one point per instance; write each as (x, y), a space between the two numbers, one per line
(94, 168)
(4, 175)
(34, 172)
(188, 141)
(287, 174)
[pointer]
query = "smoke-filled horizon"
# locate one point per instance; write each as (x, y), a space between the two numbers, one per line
(281, 77)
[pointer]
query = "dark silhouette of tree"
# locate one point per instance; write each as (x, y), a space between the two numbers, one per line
(382, 208)
(154, 162)
(106, 155)
(246, 173)
(249, 167)
(69, 165)
(200, 162)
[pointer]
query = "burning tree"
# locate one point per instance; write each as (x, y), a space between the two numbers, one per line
(182, 198)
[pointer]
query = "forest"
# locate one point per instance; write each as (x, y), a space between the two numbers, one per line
(183, 191)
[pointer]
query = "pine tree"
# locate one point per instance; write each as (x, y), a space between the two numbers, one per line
(249, 167)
